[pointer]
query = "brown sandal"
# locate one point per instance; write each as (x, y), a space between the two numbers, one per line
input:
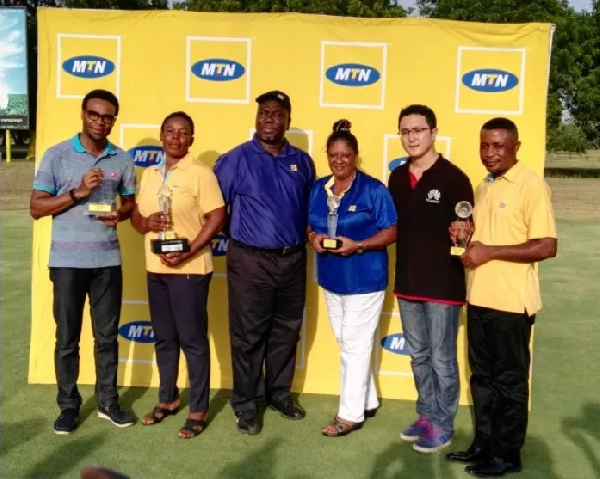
(341, 427)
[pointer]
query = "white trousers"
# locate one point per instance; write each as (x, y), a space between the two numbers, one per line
(354, 319)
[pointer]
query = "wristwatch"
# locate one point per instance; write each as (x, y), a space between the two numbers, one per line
(360, 248)
(72, 195)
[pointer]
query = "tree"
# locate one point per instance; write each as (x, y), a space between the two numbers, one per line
(354, 8)
(575, 65)
(116, 4)
(567, 137)
(585, 105)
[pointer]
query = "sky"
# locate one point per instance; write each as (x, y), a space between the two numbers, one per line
(13, 72)
(577, 4)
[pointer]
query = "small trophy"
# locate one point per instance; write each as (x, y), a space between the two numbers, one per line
(167, 241)
(333, 203)
(101, 200)
(463, 210)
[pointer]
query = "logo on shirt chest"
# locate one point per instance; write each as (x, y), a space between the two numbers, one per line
(352, 208)
(433, 196)
(294, 167)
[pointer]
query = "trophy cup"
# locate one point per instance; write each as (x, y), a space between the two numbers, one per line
(167, 241)
(101, 200)
(463, 210)
(333, 203)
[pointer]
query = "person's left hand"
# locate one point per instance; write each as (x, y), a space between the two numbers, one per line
(109, 219)
(348, 246)
(476, 254)
(174, 259)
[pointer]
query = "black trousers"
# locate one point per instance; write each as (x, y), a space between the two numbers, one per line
(71, 286)
(266, 305)
(180, 321)
(499, 357)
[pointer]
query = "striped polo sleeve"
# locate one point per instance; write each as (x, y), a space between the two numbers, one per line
(45, 178)
(127, 186)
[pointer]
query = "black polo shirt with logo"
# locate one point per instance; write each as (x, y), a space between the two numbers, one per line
(424, 266)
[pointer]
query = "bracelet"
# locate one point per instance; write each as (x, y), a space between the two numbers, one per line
(72, 195)
(360, 248)
(310, 238)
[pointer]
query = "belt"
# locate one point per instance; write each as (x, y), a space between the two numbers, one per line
(285, 251)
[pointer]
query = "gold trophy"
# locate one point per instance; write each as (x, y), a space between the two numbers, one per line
(167, 241)
(463, 210)
(333, 203)
(101, 200)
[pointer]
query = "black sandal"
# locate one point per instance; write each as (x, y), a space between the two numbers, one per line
(158, 419)
(191, 425)
(342, 428)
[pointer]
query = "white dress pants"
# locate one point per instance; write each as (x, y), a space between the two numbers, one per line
(354, 319)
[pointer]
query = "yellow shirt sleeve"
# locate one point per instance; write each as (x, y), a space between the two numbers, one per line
(539, 214)
(209, 193)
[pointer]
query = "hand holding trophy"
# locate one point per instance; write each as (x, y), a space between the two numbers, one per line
(461, 228)
(167, 241)
(100, 200)
(330, 243)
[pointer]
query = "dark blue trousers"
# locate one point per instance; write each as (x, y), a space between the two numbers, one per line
(180, 321)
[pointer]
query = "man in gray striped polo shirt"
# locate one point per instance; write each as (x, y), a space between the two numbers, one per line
(84, 252)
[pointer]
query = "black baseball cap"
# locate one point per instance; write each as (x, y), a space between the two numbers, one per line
(276, 95)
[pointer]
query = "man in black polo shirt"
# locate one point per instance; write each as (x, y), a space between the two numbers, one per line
(430, 282)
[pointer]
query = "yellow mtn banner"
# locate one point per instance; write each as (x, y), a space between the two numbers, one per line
(213, 66)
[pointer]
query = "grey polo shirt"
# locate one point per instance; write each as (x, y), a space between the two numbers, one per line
(79, 240)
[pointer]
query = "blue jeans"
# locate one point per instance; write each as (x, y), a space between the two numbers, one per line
(430, 331)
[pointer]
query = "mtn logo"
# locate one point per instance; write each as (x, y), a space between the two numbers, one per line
(352, 74)
(218, 69)
(88, 66)
(490, 81)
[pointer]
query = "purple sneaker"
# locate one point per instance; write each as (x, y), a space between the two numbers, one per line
(432, 440)
(415, 430)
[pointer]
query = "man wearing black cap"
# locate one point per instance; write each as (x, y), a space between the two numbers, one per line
(266, 183)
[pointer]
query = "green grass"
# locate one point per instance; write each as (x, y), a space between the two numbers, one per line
(564, 432)
(589, 159)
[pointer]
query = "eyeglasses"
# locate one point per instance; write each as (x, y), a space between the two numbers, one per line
(415, 131)
(95, 116)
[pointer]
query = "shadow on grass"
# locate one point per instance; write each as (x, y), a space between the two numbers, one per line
(260, 463)
(130, 396)
(17, 433)
(400, 460)
(65, 459)
(584, 432)
(218, 402)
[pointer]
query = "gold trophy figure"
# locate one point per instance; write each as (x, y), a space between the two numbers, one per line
(167, 241)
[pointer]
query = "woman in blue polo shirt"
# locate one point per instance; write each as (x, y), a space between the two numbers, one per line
(354, 275)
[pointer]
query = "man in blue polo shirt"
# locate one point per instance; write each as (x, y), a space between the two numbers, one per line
(266, 183)
(84, 252)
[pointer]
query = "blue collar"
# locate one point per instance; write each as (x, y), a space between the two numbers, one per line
(258, 148)
(79, 148)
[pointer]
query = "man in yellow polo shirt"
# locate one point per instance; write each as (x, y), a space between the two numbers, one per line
(514, 229)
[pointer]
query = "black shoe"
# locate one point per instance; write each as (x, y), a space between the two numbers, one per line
(116, 415)
(370, 412)
(247, 422)
(66, 422)
(494, 467)
(470, 456)
(288, 409)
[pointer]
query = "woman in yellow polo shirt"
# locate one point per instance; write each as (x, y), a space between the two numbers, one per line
(178, 282)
